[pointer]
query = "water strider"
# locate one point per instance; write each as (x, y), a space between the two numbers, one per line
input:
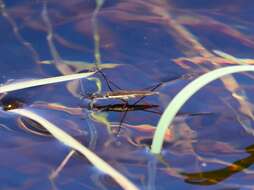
(112, 97)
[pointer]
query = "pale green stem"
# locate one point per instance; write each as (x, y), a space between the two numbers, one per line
(187, 92)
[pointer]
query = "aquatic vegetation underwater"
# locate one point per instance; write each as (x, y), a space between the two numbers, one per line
(116, 116)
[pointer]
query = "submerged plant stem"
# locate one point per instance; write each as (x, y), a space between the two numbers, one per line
(96, 34)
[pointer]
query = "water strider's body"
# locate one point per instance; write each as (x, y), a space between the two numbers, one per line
(123, 94)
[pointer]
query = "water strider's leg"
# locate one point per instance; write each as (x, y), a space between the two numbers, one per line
(155, 87)
(122, 119)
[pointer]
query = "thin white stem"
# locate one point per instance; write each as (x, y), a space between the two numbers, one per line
(40, 82)
(68, 140)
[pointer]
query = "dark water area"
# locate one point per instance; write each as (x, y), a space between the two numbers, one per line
(138, 44)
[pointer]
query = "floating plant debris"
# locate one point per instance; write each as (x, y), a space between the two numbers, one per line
(11, 103)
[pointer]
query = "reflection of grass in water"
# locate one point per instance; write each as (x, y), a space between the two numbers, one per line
(64, 69)
(216, 176)
(96, 36)
(186, 93)
(16, 32)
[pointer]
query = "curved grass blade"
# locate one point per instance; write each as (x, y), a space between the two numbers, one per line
(68, 140)
(40, 82)
(189, 90)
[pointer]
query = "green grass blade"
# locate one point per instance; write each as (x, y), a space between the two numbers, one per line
(40, 82)
(178, 101)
